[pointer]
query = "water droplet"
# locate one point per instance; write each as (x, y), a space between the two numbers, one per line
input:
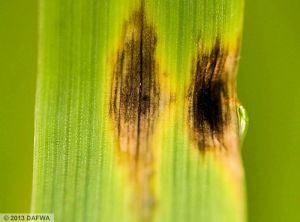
(243, 122)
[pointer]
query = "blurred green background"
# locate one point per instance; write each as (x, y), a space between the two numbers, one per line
(267, 84)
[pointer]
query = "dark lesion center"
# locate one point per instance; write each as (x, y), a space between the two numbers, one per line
(209, 107)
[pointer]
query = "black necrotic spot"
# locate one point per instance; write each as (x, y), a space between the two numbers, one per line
(208, 95)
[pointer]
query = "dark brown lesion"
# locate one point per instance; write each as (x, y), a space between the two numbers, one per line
(211, 94)
(135, 94)
(134, 103)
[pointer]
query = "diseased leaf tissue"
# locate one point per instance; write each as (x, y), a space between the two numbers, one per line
(135, 100)
(135, 104)
(136, 117)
